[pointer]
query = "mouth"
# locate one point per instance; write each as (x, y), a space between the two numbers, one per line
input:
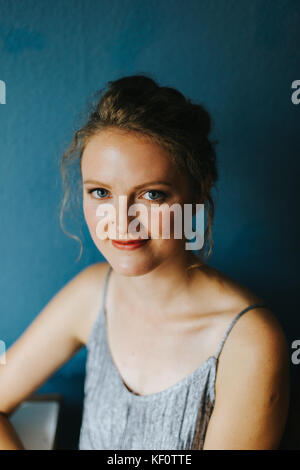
(129, 244)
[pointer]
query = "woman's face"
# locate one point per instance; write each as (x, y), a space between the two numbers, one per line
(114, 164)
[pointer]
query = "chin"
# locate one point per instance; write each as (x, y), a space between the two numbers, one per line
(132, 268)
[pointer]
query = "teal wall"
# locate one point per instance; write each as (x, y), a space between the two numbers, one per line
(238, 58)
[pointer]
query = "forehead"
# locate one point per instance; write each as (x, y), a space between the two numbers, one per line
(114, 154)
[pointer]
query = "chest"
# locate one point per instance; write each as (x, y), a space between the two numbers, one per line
(150, 358)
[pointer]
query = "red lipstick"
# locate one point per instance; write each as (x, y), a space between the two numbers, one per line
(129, 244)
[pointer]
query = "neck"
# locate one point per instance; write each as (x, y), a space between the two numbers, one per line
(162, 291)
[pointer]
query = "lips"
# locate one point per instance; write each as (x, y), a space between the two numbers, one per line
(129, 244)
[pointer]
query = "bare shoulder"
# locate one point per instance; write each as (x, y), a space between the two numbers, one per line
(258, 328)
(252, 384)
(61, 327)
(255, 350)
(256, 336)
(89, 285)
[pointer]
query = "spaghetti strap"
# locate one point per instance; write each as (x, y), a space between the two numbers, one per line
(234, 321)
(105, 287)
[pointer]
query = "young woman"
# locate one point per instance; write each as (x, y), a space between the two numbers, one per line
(154, 317)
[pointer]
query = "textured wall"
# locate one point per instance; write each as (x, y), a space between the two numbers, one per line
(238, 58)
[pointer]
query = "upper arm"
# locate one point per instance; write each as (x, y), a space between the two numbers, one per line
(48, 342)
(252, 386)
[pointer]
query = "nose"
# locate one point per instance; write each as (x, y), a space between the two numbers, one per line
(122, 221)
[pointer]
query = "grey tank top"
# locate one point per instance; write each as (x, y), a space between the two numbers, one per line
(115, 418)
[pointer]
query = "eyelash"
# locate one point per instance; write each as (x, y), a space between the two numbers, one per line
(160, 199)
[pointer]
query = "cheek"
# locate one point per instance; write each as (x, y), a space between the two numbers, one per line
(89, 210)
(91, 218)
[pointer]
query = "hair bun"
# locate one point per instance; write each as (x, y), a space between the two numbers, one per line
(133, 84)
(201, 118)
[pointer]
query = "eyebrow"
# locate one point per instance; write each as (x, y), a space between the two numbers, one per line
(98, 183)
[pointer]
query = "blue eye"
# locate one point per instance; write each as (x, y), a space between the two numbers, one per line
(97, 191)
(161, 194)
(155, 195)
